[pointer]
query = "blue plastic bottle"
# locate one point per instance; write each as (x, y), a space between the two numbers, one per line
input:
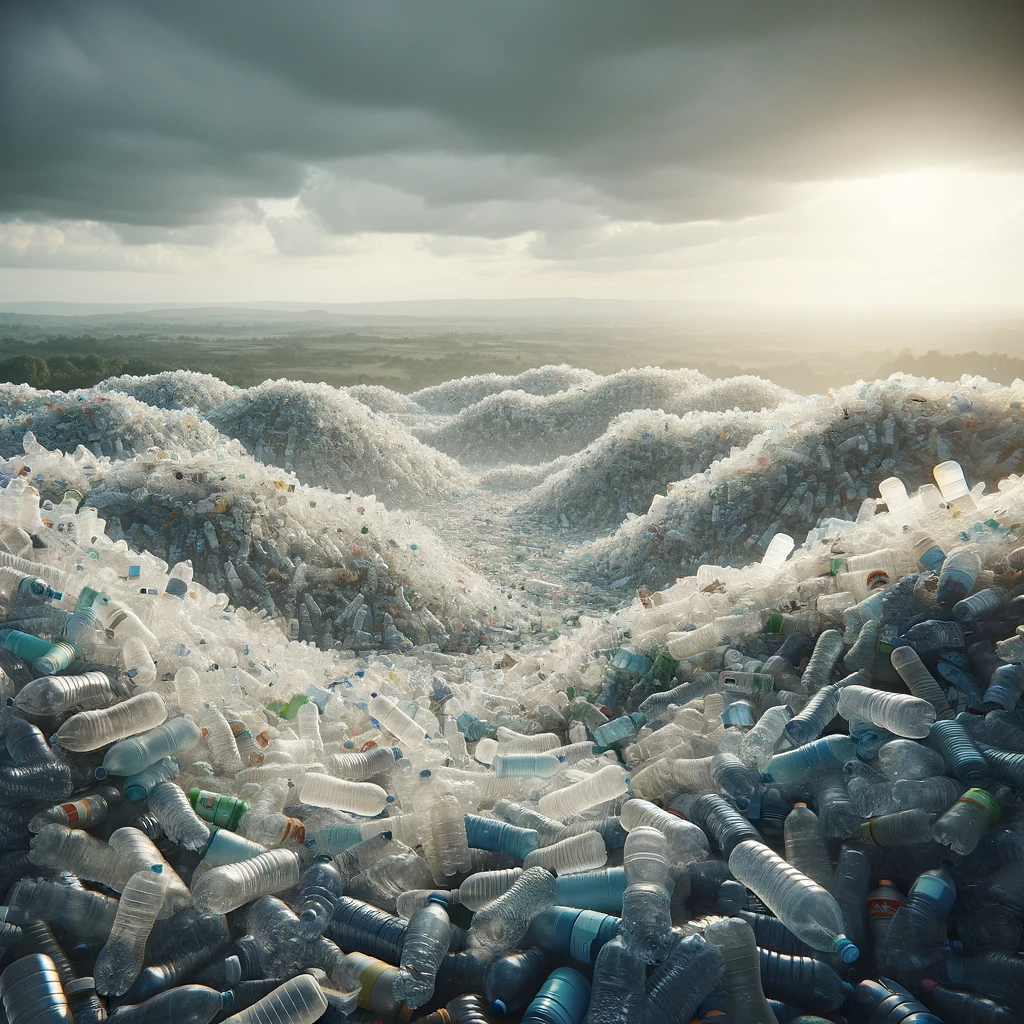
(563, 999)
(577, 934)
(593, 890)
(492, 834)
(790, 766)
(885, 1002)
(512, 980)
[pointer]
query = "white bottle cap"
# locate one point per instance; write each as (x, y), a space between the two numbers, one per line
(950, 478)
(894, 494)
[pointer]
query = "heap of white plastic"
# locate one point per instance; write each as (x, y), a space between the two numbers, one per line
(822, 459)
(328, 439)
(521, 427)
(640, 455)
(339, 570)
(172, 389)
(106, 423)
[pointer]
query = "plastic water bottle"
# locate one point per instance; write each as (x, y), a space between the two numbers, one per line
(226, 888)
(485, 887)
(501, 925)
(899, 829)
(358, 766)
(802, 905)
(135, 754)
(1005, 688)
(86, 914)
(89, 730)
(492, 834)
(883, 902)
(299, 1000)
(617, 991)
(963, 825)
(220, 739)
(510, 980)
(139, 786)
(394, 720)
(741, 983)
(65, 849)
(56, 696)
(137, 849)
(926, 907)
(686, 842)
(175, 813)
(935, 635)
(900, 713)
(806, 848)
(646, 903)
(919, 680)
(82, 813)
(426, 942)
(604, 785)
(30, 990)
(358, 925)
(790, 766)
(957, 577)
(540, 766)
(963, 1007)
(758, 745)
(960, 752)
(363, 798)
(877, 1001)
(121, 959)
(583, 852)
(562, 999)
(802, 981)
(319, 888)
(810, 722)
(577, 934)
(849, 888)
(905, 759)
(724, 826)
(186, 1004)
(692, 968)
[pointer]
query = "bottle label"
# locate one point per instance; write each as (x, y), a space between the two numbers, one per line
(77, 812)
(984, 801)
(294, 829)
(883, 907)
(931, 886)
(773, 624)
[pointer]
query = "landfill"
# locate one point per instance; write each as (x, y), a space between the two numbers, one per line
(495, 744)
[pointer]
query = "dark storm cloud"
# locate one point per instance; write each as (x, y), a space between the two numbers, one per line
(484, 118)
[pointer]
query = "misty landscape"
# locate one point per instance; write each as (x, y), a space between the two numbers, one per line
(511, 514)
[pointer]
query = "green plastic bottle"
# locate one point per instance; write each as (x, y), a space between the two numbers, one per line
(218, 808)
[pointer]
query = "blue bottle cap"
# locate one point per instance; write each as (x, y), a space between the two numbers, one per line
(847, 951)
(499, 1008)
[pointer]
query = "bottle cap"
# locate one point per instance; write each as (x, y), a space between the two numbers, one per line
(799, 803)
(847, 951)
(499, 1007)
(927, 985)
(437, 897)
(886, 881)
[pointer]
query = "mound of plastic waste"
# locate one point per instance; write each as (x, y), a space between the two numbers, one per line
(453, 396)
(772, 802)
(823, 458)
(521, 427)
(337, 570)
(638, 456)
(172, 389)
(328, 439)
(384, 400)
(110, 424)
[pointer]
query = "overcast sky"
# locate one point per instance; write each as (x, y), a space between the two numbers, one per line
(846, 152)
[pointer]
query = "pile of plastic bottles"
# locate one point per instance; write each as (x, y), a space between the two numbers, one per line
(823, 457)
(785, 792)
(173, 389)
(526, 427)
(338, 570)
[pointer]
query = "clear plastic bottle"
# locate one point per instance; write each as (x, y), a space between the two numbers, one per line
(122, 957)
(30, 990)
(89, 730)
(426, 942)
(687, 843)
(963, 825)
(906, 759)
(605, 784)
(486, 886)
(809, 724)
(135, 754)
(919, 680)
(741, 983)
(806, 848)
(180, 821)
(724, 826)
(220, 740)
(578, 853)
(449, 843)
(964, 1007)
(501, 925)
(319, 888)
(364, 798)
(56, 696)
(936, 793)
(758, 745)
(226, 888)
(926, 907)
(934, 635)
(66, 849)
(139, 786)
(388, 716)
(802, 905)
(899, 829)
(383, 882)
(138, 849)
(958, 575)
(186, 1004)
(539, 766)
(617, 992)
(899, 713)
(300, 1000)
(691, 970)
(1005, 688)
(883, 902)
(83, 813)
(646, 903)
(364, 764)
(829, 751)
